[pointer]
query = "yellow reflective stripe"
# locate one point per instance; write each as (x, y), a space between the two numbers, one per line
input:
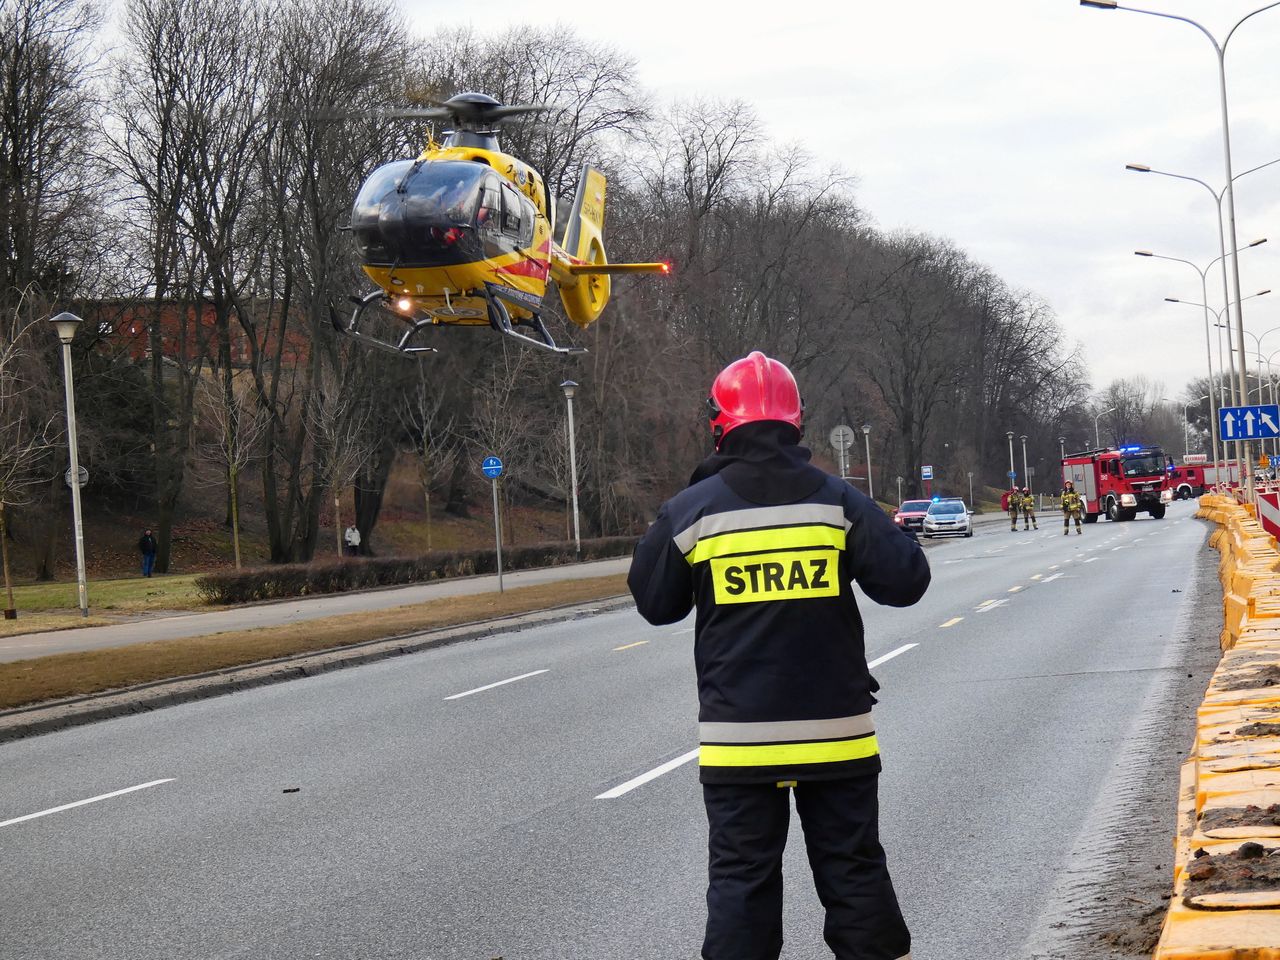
(767, 540)
(781, 754)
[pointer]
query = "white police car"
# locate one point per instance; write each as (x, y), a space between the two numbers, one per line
(947, 518)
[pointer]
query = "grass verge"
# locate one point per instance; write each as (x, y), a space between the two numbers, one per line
(74, 674)
(131, 595)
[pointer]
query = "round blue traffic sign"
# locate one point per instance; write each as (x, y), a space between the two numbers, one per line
(1011, 475)
(492, 467)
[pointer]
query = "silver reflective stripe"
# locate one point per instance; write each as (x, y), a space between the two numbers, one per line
(787, 731)
(832, 514)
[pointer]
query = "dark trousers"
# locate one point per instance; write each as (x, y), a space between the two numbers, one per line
(148, 563)
(748, 832)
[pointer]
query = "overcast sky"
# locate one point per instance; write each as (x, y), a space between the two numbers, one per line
(1004, 125)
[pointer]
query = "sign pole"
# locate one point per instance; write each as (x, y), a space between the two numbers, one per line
(497, 530)
(492, 468)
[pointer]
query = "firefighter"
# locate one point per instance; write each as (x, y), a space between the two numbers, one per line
(1072, 506)
(765, 546)
(1013, 501)
(1028, 504)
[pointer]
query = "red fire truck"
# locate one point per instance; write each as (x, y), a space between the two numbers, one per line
(1190, 479)
(1120, 483)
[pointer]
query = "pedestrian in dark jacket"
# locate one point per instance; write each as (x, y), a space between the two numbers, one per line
(147, 547)
(765, 546)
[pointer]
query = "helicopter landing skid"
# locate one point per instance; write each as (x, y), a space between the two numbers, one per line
(352, 328)
(500, 320)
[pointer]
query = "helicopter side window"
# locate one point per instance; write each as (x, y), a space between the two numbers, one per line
(489, 211)
(511, 211)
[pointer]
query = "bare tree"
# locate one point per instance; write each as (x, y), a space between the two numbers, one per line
(337, 420)
(429, 429)
(236, 429)
(25, 441)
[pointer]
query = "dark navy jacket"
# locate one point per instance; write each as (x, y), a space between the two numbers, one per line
(766, 547)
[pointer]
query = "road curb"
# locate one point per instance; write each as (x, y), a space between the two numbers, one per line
(49, 717)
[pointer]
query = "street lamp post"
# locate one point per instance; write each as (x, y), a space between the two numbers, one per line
(866, 436)
(1223, 367)
(1013, 471)
(1186, 423)
(1229, 191)
(570, 388)
(1026, 474)
(66, 324)
(899, 491)
(1204, 289)
(1062, 448)
(1097, 437)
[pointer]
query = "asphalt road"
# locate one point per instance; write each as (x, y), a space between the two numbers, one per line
(414, 809)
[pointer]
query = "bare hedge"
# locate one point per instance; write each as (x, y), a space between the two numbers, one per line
(359, 573)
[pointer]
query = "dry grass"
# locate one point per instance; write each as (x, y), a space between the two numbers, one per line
(131, 595)
(72, 674)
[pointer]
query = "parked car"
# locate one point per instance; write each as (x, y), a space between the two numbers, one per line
(947, 518)
(910, 514)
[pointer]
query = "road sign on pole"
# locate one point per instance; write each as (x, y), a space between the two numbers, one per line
(1258, 422)
(492, 468)
(842, 437)
(926, 472)
(83, 475)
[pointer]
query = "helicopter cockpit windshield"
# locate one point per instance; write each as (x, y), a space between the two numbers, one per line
(420, 214)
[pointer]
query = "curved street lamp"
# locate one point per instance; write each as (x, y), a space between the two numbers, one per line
(1097, 437)
(1013, 471)
(1229, 190)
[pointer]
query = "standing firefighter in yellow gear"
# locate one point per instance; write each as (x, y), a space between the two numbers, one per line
(766, 547)
(1028, 503)
(1072, 506)
(1013, 500)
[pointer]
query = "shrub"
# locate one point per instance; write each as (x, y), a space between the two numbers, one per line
(359, 573)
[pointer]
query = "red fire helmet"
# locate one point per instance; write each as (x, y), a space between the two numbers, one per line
(751, 389)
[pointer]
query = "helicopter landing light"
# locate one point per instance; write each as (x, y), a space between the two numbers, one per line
(405, 304)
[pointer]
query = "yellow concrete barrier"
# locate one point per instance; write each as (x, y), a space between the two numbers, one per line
(1226, 901)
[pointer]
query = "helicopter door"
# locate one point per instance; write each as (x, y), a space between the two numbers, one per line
(517, 217)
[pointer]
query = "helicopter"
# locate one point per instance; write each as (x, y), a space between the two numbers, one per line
(464, 235)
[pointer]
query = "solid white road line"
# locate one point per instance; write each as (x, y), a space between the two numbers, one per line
(644, 778)
(890, 655)
(81, 803)
(681, 633)
(490, 686)
(1093, 559)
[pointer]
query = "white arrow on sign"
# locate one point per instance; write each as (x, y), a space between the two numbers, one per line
(1230, 421)
(1248, 423)
(1271, 424)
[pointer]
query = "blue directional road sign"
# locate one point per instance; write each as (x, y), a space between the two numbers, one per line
(1275, 462)
(926, 472)
(492, 468)
(1249, 423)
(1011, 475)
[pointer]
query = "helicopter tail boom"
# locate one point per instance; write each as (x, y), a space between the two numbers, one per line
(578, 269)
